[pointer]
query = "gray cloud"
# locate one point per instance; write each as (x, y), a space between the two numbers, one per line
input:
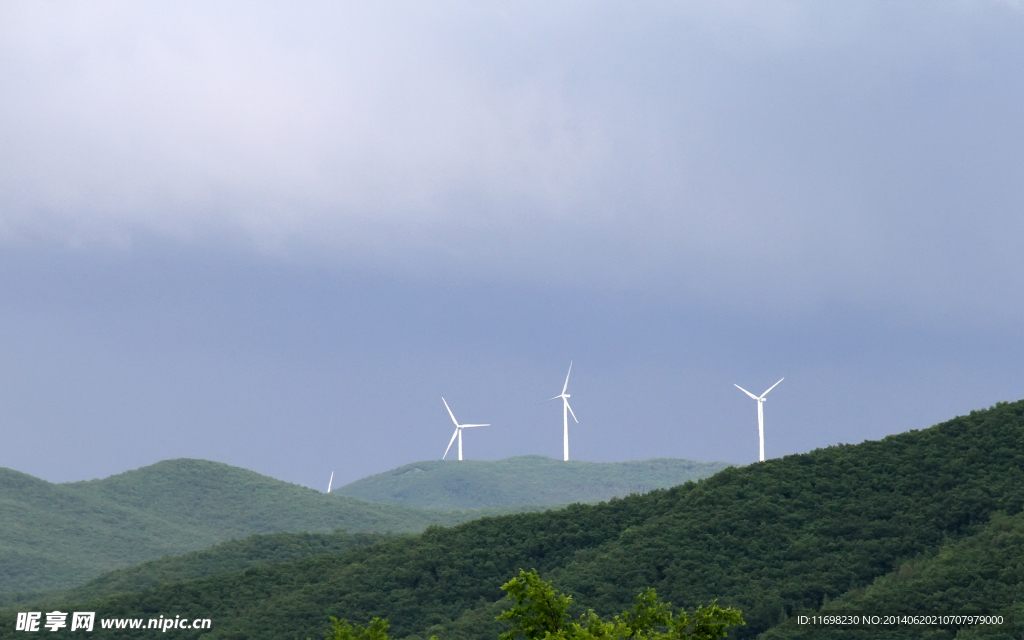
(790, 154)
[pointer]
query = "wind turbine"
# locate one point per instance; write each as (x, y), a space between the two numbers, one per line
(458, 430)
(566, 410)
(329, 482)
(760, 411)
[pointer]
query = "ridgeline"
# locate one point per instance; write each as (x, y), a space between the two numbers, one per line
(923, 519)
(524, 480)
(55, 536)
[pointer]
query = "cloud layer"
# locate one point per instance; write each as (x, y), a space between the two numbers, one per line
(790, 154)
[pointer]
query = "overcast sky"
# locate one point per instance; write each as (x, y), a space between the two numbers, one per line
(274, 235)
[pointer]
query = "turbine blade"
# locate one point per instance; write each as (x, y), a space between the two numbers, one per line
(771, 387)
(450, 443)
(746, 392)
(550, 399)
(466, 426)
(450, 412)
(567, 378)
(570, 411)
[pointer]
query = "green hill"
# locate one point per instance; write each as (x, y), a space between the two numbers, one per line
(475, 484)
(978, 574)
(233, 555)
(773, 539)
(55, 536)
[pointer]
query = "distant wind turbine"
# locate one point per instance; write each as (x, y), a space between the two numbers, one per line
(458, 430)
(566, 410)
(329, 482)
(760, 411)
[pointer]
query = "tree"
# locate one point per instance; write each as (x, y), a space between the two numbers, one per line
(541, 613)
(342, 630)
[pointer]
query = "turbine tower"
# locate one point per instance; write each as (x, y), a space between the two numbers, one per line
(458, 430)
(566, 410)
(760, 411)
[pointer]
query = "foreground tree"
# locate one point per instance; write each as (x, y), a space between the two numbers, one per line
(342, 630)
(541, 613)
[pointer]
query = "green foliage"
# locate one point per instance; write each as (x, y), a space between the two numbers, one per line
(541, 613)
(55, 536)
(772, 539)
(982, 573)
(524, 480)
(342, 630)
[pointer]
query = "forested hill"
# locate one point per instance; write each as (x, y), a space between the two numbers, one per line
(475, 484)
(981, 573)
(773, 538)
(233, 555)
(60, 535)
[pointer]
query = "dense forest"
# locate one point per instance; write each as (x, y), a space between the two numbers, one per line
(982, 573)
(233, 555)
(476, 484)
(922, 519)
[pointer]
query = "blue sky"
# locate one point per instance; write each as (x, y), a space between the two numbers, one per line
(275, 236)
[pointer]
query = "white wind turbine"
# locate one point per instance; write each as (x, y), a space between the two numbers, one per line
(458, 430)
(566, 410)
(760, 411)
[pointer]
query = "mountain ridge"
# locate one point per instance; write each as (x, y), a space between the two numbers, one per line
(521, 480)
(53, 536)
(57, 535)
(776, 538)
